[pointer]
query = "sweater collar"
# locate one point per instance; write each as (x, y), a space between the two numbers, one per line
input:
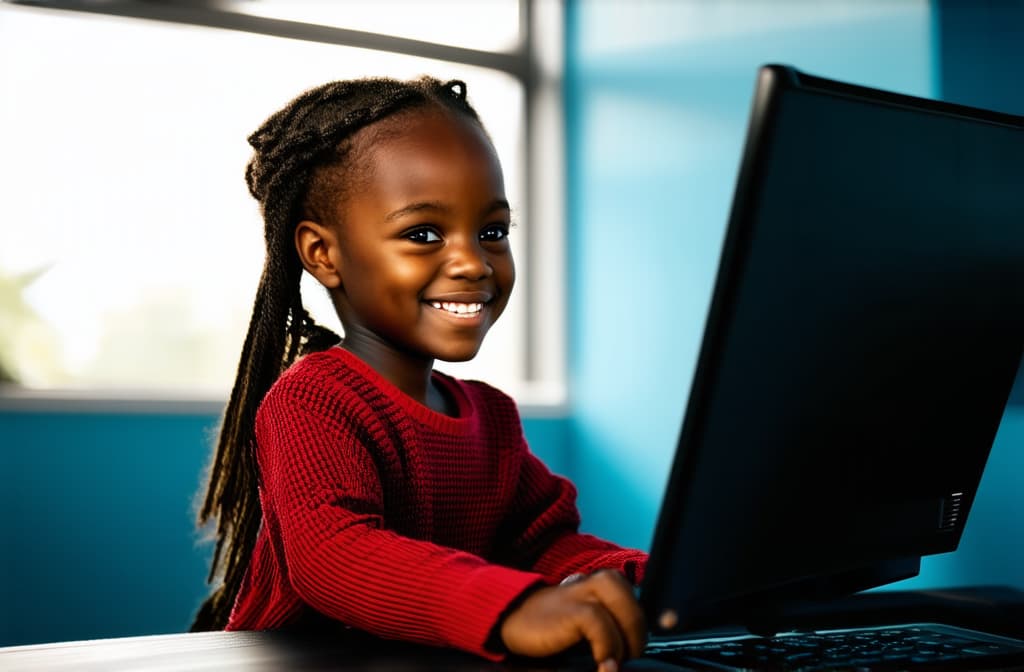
(420, 411)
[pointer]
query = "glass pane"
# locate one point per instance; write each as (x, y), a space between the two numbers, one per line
(130, 248)
(492, 25)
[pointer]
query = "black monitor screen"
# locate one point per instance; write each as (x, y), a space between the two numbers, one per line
(863, 338)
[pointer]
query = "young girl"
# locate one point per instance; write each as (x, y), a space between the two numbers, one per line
(352, 483)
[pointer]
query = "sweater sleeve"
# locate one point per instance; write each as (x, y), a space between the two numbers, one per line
(542, 530)
(324, 488)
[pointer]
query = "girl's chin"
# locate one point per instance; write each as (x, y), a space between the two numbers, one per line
(456, 357)
(457, 347)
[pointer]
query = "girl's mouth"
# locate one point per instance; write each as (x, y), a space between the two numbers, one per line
(458, 309)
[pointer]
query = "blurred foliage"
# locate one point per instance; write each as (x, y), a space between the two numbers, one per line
(28, 345)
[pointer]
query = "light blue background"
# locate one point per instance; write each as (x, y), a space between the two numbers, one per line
(96, 529)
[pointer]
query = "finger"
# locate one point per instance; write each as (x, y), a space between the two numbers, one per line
(616, 594)
(598, 627)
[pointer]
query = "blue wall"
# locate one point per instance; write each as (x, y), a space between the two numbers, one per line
(97, 523)
(658, 96)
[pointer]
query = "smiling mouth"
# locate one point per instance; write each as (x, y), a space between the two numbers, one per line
(458, 309)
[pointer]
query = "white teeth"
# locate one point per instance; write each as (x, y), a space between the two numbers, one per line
(456, 308)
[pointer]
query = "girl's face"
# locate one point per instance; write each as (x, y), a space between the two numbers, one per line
(425, 266)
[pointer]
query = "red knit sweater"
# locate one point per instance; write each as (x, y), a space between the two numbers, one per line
(387, 516)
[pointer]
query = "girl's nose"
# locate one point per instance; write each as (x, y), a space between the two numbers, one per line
(468, 260)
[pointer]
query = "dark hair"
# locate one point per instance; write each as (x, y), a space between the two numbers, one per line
(301, 163)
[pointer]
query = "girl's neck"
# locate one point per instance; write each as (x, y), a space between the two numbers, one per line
(409, 373)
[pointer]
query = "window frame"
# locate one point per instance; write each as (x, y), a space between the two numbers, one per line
(536, 62)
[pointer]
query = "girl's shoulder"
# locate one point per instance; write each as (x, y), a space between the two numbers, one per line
(315, 366)
(331, 376)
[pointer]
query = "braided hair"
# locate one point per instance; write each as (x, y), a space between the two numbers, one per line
(303, 156)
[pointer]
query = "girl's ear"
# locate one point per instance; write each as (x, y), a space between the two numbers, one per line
(319, 252)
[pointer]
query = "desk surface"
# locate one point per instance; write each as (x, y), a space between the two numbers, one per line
(270, 652)
(996, 609)
(231, 652)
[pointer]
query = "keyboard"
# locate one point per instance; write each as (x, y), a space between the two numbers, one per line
(906, 647)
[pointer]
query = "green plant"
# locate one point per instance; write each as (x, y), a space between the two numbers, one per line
(24, 336)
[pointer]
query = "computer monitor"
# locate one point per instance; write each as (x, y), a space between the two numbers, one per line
(864, 333)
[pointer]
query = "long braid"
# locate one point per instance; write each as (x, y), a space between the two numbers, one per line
(310, 134)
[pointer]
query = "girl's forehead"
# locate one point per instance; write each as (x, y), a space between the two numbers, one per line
(429, 136)
(431, 126)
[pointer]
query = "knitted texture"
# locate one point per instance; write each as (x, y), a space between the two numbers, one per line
(406, 523)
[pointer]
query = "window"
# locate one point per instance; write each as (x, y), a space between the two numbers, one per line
(130, 249)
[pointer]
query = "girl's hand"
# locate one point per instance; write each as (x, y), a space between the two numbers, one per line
(599, 608)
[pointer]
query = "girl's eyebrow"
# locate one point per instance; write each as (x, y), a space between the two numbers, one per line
(414, 208)
(436, 206)
(497, 204)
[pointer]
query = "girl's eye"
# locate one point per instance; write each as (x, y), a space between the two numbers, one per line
(494, 233)
(423, 235)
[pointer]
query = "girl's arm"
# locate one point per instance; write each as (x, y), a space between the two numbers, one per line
(541, 530)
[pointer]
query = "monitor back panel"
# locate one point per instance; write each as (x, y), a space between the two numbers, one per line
(863, 337)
